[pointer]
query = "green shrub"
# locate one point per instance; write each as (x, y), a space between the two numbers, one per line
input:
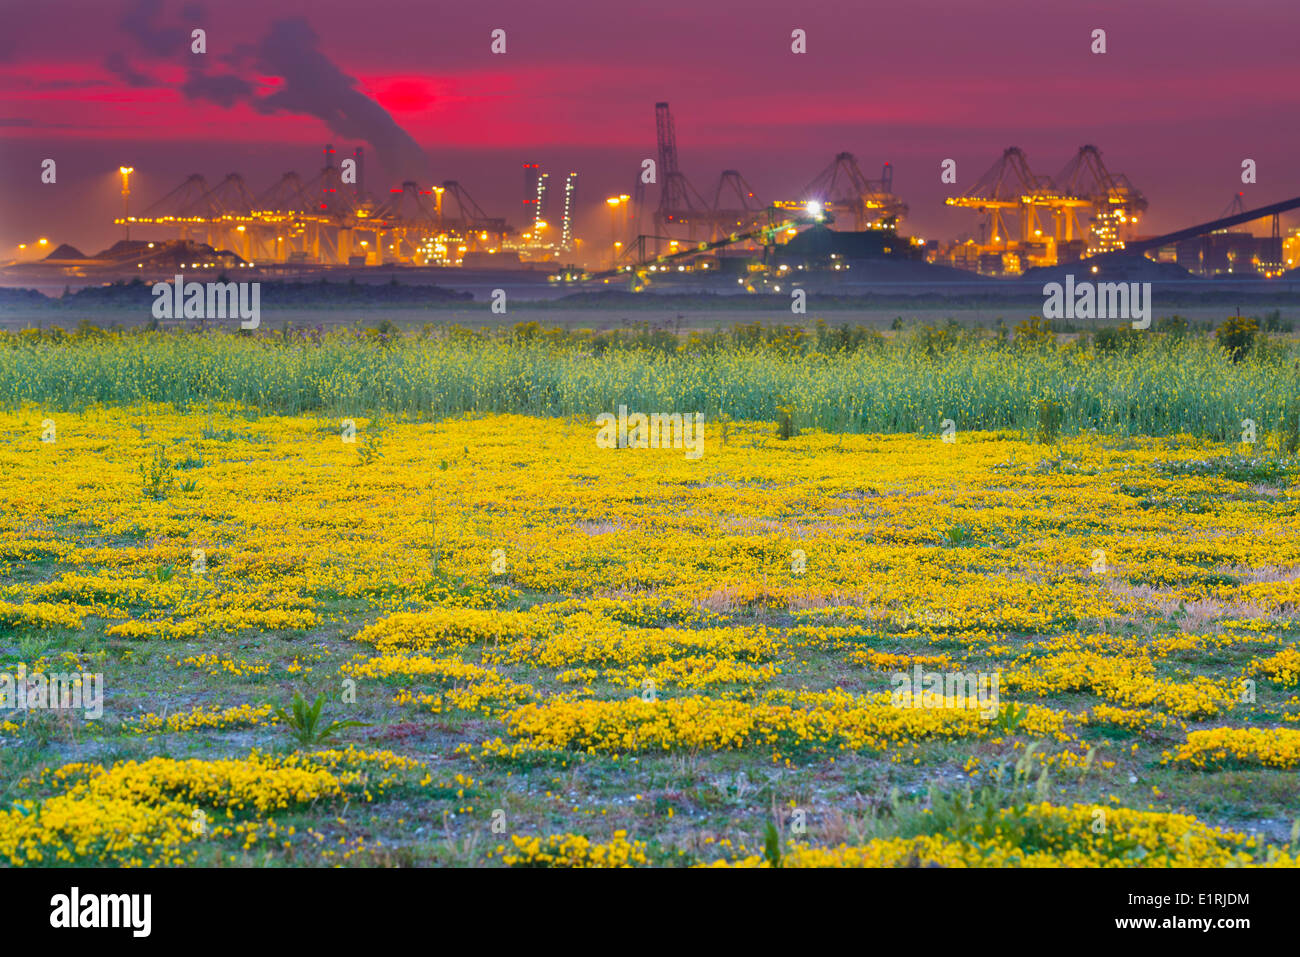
(1050, 416)
(1237, 336)
(158, 478)
(785, 427)
(305, 722)
(1273, 322)
(1118, 339)
(1175, 327)
(1034, 333)
(1291, 431)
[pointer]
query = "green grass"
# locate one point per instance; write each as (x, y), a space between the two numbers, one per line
(908, 383)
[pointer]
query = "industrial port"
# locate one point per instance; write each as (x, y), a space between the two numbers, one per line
(665, 233)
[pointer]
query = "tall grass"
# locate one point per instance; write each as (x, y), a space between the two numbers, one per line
(1160, 385)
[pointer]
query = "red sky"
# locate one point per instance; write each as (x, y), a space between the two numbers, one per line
(1185, 92)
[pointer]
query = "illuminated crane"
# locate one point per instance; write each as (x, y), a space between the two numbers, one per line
(843, 189)
(1009, 197)
(1115, 202)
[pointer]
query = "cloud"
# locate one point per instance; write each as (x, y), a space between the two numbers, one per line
(141, 22)
(223, 89)
(116, 63)
(311, 83)
(314, 85)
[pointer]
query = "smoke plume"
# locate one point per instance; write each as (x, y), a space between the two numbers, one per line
(311, 83)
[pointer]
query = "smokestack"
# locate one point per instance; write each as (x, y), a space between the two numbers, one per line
(359, 155)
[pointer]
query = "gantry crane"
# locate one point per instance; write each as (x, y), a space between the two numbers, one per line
(1115, 202)
(735, 206)
(845, 190)
(1009, 197)
(679, 202)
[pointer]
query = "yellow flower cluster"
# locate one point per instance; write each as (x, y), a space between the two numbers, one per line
(572, 850)
(1246, 747)
(260, 783)
(440, 629)
(831, 721)
(1283, 667)
(42, 614)
(216, 665)
(1134, 719)
(67, 829)
(136, 813)
(163, 628)
(214, 718)
(882, 661)
(472, 686)
(1125, 681)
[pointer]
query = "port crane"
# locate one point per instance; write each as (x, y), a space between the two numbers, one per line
(1086, 183)
(845, 189)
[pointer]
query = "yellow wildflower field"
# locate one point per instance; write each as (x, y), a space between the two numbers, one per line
(515, 646)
